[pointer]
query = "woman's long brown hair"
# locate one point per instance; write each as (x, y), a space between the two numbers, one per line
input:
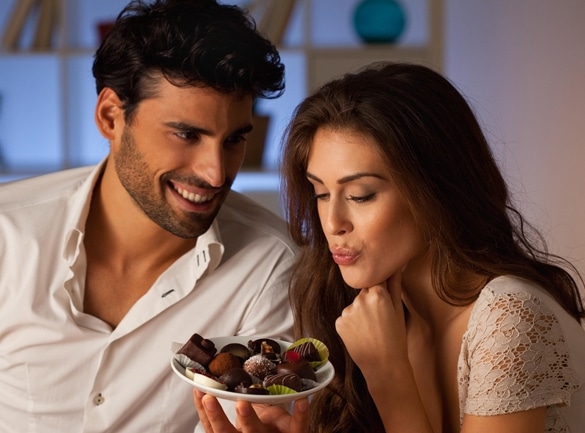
(439, 158)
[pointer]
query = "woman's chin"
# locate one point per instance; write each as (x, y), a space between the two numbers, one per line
(357, 283)
(362, 281)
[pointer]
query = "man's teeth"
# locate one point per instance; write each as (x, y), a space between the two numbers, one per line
(195, 198)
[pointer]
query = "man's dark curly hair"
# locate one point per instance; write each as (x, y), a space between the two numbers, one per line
(190, 43)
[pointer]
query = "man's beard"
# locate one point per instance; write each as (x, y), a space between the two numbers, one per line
(135, 175)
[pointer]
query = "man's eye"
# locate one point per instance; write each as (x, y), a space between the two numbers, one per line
(187, 135)
(236, 140)
(362, 199)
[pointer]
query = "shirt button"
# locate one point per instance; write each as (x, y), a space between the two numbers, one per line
(99, 399)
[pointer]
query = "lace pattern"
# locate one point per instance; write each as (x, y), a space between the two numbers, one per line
(513, 358)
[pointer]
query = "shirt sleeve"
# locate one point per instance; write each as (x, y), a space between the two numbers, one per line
(517, 357)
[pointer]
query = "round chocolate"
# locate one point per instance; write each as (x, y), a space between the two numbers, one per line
(223, 362)
(256, 346)
(290, 380)
(259, 366)
(237, 349)
(301, 367)
(236, 377)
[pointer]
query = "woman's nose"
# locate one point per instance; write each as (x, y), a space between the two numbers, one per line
(336, 219)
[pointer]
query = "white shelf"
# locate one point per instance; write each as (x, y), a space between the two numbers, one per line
(46, 116)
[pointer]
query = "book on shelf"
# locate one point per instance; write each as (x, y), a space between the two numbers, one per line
(272, 17)
(46, 21)
(21, 11)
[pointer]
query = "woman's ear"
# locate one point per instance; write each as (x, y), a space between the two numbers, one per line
(109, 115)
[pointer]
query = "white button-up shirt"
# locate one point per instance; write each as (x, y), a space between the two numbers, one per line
(62, 370)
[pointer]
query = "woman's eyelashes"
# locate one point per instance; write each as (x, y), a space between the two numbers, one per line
(355, 198)
(362, 198)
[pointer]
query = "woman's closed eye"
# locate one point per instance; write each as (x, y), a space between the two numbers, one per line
(354, 198)
(362, 198)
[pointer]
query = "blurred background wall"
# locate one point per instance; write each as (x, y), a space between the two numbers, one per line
(522, 66)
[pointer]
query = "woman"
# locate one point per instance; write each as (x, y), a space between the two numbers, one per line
(441, 308)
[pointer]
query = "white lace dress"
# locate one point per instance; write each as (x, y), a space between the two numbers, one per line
(521, 350)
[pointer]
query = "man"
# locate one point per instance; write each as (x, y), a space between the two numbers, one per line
(103, 268)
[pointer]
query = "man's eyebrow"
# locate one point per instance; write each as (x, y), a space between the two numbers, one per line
(244, 130)
(183, 126)
(347, 179)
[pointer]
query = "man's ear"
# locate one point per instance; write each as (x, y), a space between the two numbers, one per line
(109, 114)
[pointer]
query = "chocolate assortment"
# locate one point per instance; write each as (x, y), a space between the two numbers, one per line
(261, 367)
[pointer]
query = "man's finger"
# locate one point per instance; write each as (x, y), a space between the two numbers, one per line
(300, 416)
(218, 421)
(248, 421)
(197, 396)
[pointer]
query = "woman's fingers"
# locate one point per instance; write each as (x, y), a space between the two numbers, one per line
(376, 314)
(394, 287)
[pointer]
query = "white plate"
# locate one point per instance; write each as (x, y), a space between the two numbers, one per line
(324, 374)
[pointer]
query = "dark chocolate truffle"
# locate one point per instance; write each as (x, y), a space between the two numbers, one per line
(199, 349)
(223, 362)
(259, 366)
(308, 351)
(300, 367)
(236, 377)
(290, 380)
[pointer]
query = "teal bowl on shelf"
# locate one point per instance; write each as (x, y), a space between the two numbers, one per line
(379, 21)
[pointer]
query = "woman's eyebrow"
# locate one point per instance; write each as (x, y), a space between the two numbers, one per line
(348, 178)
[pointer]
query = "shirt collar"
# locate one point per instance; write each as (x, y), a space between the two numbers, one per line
(79, 203)
(209, 249)
(208, 252)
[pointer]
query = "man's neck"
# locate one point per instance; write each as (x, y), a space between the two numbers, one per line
(119, 232)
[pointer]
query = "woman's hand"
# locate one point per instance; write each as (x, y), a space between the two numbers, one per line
(373, 327)
(251, 419)
(373, 330)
